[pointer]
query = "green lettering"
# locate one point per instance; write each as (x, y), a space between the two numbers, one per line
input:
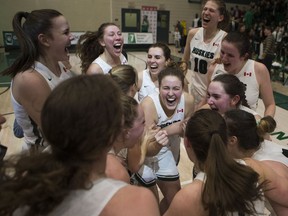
(280, 135)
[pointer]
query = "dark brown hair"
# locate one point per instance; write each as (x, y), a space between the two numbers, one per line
(243, 125)
(89, 48)
(241, 42)
(172, 70)
(229, 186)
(233, 86)
(164, 47)
(80, 119)
(37, 22)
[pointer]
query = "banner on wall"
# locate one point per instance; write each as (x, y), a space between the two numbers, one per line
(149, 20)
(137, 38)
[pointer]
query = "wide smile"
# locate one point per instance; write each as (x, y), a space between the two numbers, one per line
(153, 68)
(206, 20)
(118, 47)
(171, 102)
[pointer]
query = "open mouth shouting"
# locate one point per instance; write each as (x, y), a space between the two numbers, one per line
(206, 20)
(118, 47)
(171, 102)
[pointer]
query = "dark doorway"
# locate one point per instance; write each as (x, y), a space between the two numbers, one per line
(163, 23)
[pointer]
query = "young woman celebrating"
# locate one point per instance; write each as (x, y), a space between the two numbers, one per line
(158, 57)
(223, 186)
(235, 52)
(101, 50)
(246, 140)
(204, 43)
(166, 109)
(44, 38)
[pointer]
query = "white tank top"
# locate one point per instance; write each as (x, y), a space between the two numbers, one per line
(164, 121)
(148, 87)
(31, 133)
(270, 151)
(105, 66)
(248, 77)
(89, 202)
(85, 202)
(201, 56)
(241, 107)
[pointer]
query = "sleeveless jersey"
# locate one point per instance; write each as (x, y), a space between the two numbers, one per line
(270, 151)
(246, 75)
(258, 204)
(148, 87)
(201, 56)
(31, 133)
(164, 121)
(85, 202)
(241, 107)
(105, 66)
(89, 202)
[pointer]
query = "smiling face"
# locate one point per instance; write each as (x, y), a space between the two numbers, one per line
(218, 99)
(112, 40)
(155, 60)
(231, 58)
(211, 15)
(60, 38)
(170, 93)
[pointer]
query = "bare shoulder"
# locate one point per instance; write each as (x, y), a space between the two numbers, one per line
(132, 200)
(192, 32)
(94, 68)
(28, 78)
(256, 166)
(140, 79)
(29, 84)
(280, 168)
(115, 169)
(210, 71)
(147, 103)
(188, 97)
(150, 110)
(189, 104)
(261, 70)
(187, 201)
(30, 89)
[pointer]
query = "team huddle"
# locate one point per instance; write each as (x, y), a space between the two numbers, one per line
(106, 142)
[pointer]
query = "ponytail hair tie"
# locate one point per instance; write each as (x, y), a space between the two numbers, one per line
(214, 132)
